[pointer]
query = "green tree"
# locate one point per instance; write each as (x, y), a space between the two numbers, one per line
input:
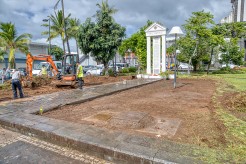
(2, 50)
(187, 45)
(57, 27)
(73, 29)
(12, 41)
(137, 44)
(106, 35)
(86, 36)
(196, 28)
(57, 52)
(214, 40)
(231, 52)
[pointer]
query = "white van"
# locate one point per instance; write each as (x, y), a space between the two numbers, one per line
(37, 69)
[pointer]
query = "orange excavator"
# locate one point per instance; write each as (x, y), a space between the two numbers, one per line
(30, 59)
(66, 79)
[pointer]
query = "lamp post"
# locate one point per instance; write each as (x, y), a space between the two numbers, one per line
(48, 20)
(176, 31)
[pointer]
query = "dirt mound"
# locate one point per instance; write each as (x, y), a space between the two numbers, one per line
(236, 102)
(43, 85)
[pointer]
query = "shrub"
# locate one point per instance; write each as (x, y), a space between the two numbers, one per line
(124, 70)
(228, 70)
(132, 69)
(166, 74)
(110, 72)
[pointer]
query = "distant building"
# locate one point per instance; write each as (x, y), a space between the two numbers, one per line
(20, 58)
(238, 10)
(238, 14)
(228, 19)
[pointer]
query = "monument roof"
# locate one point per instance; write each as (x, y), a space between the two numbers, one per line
(155, 27)
(155, 30)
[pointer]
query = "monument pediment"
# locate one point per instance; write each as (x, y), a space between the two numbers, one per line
(155, 30)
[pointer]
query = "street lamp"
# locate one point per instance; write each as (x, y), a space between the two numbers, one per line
(48, 20)
(176, 31)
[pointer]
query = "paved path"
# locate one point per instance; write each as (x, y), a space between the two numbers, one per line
(17, 148)
(115, 146)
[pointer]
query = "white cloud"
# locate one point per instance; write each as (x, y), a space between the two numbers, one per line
(28, 14)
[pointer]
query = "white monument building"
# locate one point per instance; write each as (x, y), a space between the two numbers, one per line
(156, 49)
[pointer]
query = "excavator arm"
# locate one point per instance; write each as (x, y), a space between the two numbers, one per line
(47, 58)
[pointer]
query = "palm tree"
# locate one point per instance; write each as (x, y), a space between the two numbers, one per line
(104, 8)
(12, 42)
(2, 53)
(2, 50)
(57, 27)
(73, 30)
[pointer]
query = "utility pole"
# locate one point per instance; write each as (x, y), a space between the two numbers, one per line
(66, 37)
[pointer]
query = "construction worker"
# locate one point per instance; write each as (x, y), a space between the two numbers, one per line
(80, 75)
(44, 70)
(16, 84)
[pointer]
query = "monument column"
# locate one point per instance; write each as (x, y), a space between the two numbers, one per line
(163, 52)
(148, 55)
(155, 33)
(156, 54)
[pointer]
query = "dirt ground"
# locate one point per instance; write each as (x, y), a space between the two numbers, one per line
(235, 103)
(45, 86)
(184, 114)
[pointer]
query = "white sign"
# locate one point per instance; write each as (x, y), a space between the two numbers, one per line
(155, 33)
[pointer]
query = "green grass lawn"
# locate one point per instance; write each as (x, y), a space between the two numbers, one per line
(235, 149)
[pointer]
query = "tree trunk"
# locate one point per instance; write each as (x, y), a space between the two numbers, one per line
(77, 46)
(64, 48)
(211, 55)
(105, 68)
(77, 51)
(12, 58)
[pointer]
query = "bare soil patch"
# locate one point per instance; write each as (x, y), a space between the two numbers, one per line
(235, 103)
(184, 114)
(41, 86)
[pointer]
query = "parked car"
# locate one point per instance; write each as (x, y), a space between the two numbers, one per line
(185, 66)
(37, 68)
(229, 65)
(97, 70)
(87, 67)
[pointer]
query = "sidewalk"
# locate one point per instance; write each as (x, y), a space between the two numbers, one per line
(114, 146)
(17, 148)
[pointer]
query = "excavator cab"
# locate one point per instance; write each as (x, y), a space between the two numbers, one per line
(69, 64)
(69, 70)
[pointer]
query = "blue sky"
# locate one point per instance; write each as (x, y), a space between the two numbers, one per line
(132, 14)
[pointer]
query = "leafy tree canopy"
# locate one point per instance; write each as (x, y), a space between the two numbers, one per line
(12, 41)
(104, 36)
(57, 52)
(137, 44)
(57, 27)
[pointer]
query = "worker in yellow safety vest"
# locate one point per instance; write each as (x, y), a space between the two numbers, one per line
(80, 75)
(44, 70)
